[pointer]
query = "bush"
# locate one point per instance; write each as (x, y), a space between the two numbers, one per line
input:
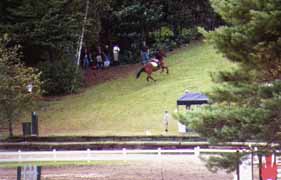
(190, 34)
(60, 77)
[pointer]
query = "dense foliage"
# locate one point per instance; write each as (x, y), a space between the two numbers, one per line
(15, 78)
(59, 77)
(43, 28)
(47, 29)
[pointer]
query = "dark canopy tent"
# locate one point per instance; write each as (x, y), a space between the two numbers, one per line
(189, 99)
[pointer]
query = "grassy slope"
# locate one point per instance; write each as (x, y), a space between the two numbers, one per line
(129, 106)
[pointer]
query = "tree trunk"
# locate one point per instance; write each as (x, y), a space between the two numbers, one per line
(51, 55)
(10, 128)
(82, 33)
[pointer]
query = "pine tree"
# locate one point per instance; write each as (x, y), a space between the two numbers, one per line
(246, 105)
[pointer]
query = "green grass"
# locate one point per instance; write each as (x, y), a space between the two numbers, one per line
(130, 107)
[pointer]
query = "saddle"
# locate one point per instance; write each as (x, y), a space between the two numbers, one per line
(155, 63)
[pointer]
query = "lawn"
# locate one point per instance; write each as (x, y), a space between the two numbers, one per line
(132, 107)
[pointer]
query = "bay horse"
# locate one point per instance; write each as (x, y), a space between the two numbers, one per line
(153, 65)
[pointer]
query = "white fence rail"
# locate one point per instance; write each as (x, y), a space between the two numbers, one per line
(103, 155)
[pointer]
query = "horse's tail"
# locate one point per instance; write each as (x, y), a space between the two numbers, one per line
(139, 73)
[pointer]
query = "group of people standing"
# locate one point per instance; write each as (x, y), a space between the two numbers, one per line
(102, 58)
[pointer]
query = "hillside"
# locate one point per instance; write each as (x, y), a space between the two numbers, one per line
(128, 106)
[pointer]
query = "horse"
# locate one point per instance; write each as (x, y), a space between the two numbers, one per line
(153, 65)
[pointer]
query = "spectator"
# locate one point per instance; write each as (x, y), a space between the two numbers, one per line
(106, 61)
(166, 120)
(99, 50)
(100, 64)
(86, 59)
(90, 58)
(144, 53)
(116, 51)
(107, 58)
(29, 87)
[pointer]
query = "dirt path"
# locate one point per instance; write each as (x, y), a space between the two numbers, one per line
(181, 168)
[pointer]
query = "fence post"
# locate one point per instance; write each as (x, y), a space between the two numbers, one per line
(88, 155)
(34, 172)
(124, 153)
(24, 173)
(159, 151)
(197, 151)
(252, 160)
(19, 156)
(256, 153)
(54, 155)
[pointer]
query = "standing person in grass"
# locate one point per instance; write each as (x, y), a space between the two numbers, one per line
(166, 120)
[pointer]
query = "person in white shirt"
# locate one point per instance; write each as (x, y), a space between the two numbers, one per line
(116, 51)
(29, 87)
(166, 120)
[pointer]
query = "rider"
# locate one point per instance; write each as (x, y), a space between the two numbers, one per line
(158, 55)
(157, 58)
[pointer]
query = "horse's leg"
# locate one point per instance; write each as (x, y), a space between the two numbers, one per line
(150, 77)
(167, 69)
(147, 78)
(164, 67)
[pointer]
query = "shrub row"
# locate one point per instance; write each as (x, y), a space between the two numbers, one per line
(60, 77)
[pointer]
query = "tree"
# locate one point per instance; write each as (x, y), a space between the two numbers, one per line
(49, 29)
(15, 78)
(136, 19)
(246, 105)
(46, 28)
(180, 14)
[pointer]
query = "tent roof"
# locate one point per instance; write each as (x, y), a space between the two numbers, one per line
(189, 99)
